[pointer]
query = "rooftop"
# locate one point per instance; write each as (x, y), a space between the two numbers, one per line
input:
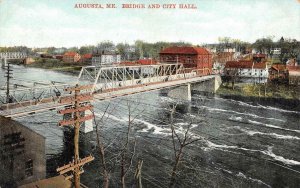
(70, 54)
(146, 61)
(245, 64)
(185, 50)
(87, 56)
(279, 67)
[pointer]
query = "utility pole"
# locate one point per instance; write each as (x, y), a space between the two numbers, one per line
(79, 106)
(8, 76)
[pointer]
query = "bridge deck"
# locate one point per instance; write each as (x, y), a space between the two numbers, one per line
(105, 95)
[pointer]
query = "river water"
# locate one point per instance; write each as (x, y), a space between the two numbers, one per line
(240, 142)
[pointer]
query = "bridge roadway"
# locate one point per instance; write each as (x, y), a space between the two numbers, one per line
(51, 104)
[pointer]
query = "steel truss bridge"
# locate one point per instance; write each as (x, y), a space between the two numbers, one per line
(4, 56)
(107, 82)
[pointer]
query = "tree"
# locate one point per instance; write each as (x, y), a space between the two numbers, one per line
(264, 45)
(86, 49)
(100, 145)
(127, 156)
(73, 49)
(179, 143)
(105, 46)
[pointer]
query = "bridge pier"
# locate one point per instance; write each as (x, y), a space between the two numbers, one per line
(211, 85)
(87, 126)
(3, 63)
(181, 92)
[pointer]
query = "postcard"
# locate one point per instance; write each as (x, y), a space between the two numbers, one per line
(149, 93)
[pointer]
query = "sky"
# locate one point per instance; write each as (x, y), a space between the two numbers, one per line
(44, 23)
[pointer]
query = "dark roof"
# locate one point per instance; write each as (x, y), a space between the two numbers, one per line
(185, 50)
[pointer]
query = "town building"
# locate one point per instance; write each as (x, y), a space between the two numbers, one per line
(147, 70)
(259, 57)
(276, 51)
(22, 154)
(247, 71)
(191, 57)
(294, 75)
(105, 58)
(291, 62)
(220, 59)
(86, 58)
(136, 66)
(71, 57)
(278, 72)
(59, 57)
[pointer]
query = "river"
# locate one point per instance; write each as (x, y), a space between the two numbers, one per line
(240, 143)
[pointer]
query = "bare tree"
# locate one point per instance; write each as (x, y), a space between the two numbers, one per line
(179, 143)
(126, 155)
(100, 145)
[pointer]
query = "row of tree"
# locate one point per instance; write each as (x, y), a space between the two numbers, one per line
(290, 48)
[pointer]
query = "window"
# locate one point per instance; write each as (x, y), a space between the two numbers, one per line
(29, 168)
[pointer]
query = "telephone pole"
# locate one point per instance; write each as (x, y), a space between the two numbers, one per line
(8, 76)
(79, 106)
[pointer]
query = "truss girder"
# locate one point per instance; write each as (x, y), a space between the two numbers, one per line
(13, 55)
(115, 77)
(35, 94)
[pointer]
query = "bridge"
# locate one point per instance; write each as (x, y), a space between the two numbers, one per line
(4, 56)
(111, 82)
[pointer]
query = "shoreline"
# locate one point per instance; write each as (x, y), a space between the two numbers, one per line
(270, 91)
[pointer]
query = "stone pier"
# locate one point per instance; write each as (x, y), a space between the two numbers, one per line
(211, 85)
(181, 92)
(3, 62)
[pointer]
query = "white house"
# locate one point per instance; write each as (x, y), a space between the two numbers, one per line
(276, 51)
(105, 59)
(248, 71)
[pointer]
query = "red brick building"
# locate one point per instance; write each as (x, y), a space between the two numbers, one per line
(190, 57)
(71, 57)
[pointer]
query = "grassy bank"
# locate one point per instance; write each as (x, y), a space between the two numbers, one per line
(269, 90)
